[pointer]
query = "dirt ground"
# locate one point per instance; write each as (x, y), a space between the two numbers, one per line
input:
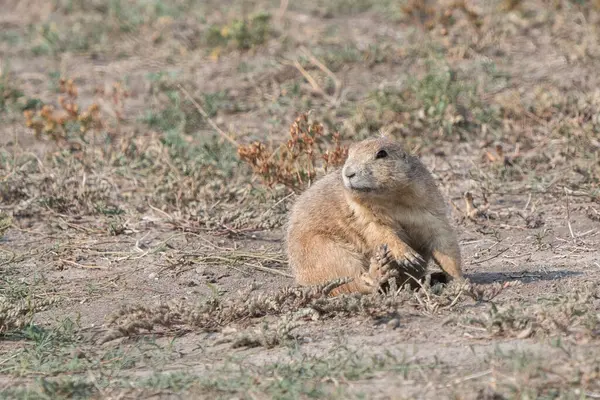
(141, 257)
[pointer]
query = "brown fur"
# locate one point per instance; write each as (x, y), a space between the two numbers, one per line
(337, 226)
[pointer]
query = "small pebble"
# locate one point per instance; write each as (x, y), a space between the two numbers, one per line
(393, 323)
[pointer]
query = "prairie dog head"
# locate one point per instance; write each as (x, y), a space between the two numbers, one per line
(379, 167)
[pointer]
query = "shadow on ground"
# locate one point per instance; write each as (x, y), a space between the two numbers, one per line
(525, 276)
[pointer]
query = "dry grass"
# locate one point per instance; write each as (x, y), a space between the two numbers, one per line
(19, 303)
(292, 304)
(296, 163)
(216, 313)
(59, 126)
(573, 316)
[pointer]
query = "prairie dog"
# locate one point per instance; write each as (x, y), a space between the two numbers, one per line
(378, 216)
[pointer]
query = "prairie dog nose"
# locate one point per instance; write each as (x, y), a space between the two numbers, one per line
(349, 172)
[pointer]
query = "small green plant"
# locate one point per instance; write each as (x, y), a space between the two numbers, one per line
(241, 34)
(175, 381)
(169, 118)
(19, 303)
(175, 114)
(9, 93)
(437, 90)
(48, 351)
(50, 38)
(178, 122)
(440, 101)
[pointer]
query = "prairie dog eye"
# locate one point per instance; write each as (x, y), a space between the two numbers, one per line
(381, 154)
